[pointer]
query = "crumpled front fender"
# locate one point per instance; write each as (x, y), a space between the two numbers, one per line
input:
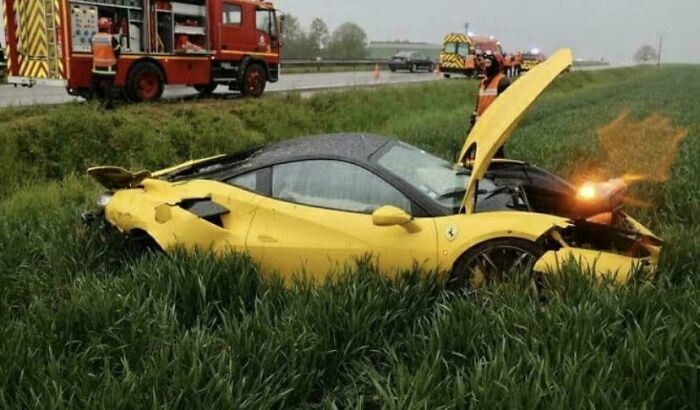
(603, 265)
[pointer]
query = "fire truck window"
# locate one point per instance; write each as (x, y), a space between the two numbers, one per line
(232, 14)
(263, 21)
(463, 49)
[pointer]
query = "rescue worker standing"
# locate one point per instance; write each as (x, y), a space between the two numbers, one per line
(517, 64)
(490, 88)
(105, 55)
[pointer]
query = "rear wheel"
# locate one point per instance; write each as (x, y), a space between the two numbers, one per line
(205, 89)
(494, 262)
(446, 75)
(145, 82)
(254, 80)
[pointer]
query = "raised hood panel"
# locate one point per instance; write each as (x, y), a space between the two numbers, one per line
(498, 122)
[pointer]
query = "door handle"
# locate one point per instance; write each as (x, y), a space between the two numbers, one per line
(267, 239)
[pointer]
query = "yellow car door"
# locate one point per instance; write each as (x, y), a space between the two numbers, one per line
(320, 220)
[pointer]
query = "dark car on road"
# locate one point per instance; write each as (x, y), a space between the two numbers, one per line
(412, 61)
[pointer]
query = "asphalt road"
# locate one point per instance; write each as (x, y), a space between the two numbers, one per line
(15, 96)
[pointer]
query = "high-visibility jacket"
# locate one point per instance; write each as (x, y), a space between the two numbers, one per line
(104, 57)
(488, 92)
(507, 61)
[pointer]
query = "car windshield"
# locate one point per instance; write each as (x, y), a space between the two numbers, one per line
(435, 177)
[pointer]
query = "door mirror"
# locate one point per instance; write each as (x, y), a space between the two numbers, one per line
(390, 216)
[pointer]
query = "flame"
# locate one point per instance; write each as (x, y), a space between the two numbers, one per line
(587, 191)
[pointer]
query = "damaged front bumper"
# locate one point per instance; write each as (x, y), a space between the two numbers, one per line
(609, 253)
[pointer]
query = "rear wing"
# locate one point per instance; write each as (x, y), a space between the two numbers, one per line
(34, 39)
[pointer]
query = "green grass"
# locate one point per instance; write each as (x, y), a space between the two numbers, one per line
(91, 323)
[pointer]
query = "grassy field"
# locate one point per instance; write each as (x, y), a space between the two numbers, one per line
(90, 323)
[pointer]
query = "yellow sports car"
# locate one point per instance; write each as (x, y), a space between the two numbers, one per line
(315, 204)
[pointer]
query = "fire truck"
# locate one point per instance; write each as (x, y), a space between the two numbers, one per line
(460, 53)
(531, 59)
(199, 43)
(456, 56)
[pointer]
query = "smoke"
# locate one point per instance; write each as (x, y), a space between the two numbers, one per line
(641, 151)
(635, 152)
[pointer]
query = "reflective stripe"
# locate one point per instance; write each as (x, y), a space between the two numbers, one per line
(488, 92)
(107, 71)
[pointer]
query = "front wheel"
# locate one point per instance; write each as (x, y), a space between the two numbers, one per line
(254, 81)
(494, 262)
(446, 75)
(145, 82)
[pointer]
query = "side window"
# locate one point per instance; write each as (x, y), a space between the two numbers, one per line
(263, 21)
(246, 181)
(336, 185)
(232, 14)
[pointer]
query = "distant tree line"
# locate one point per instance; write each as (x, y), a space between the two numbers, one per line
(348, 41)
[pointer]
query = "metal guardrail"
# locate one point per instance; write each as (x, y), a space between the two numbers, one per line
(318, 64)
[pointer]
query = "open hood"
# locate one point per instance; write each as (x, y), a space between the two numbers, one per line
(500, 120)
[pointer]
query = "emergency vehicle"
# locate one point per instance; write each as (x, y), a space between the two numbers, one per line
(457, 56)
(531, 59)
(460, 53)
(199, 43)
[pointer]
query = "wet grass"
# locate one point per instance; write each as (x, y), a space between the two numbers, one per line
(91, 323)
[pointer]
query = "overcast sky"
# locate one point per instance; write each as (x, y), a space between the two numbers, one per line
(613, 29)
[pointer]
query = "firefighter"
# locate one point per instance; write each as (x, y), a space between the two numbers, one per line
(490, 88)
(105, 55)
(508, 65)
(517, 63)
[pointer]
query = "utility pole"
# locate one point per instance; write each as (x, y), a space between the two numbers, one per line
(661, 44)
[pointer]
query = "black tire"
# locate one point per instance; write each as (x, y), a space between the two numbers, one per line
(446, 75)
(412, 68)
(145, 82)
(431, 68)
(206, 89)
(495, 261)
(392, 68)
(254, 81)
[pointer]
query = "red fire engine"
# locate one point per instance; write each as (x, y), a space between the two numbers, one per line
(200, 43)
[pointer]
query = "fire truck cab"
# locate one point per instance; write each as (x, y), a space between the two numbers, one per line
(199, 43)
(457, 55)
(531, 58)
(460, 53)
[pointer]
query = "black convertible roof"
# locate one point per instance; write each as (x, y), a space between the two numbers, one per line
(352, 146)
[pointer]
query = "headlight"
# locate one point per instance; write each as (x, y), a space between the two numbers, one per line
(103, 200)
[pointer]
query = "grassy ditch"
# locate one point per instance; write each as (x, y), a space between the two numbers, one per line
(91, 323)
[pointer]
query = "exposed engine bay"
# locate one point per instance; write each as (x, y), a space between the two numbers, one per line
(596, 210)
